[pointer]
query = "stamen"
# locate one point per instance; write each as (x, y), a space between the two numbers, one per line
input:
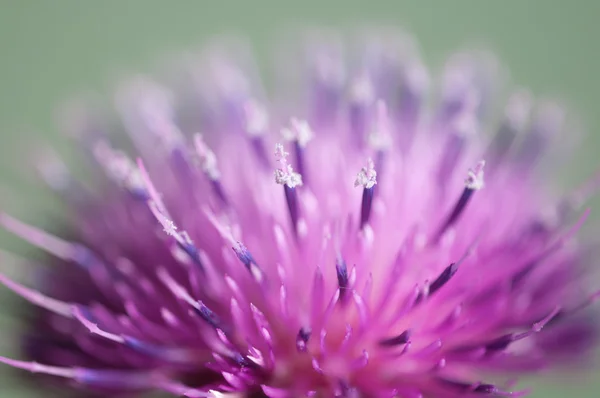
(300, 134)
(158, 209)
(208, 163)
(257, 121)
(84, 316)
(90, 377)
(302, 339)
(515, 118)
(328, 74)
(37, 298)
(148, 112)
(360, 362)
(56, 246)
(41, 239)
(181, 293)
(182, 390)
(367, 177)
(246, 258)
(181, 239)
(559, 242)
(464, 85)
(478, 388)
(546, 124)
(416, 83)
(342, 277)
(207, 315)
(362, 96)
(463, 127)
(380, 139)
(444, 277)
(402, 338)
(120, 169)
(175, 355)
(474, 182)
(286, 176)
(34, 367)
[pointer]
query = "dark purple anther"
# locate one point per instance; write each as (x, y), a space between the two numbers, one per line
(243, 254)
(365, 208)
(462, 128)
(192, 252)
(485, 389)
(207, 315)
(114, 379)
(84, 257)
(209, 166)
(218, 190)
(500, 343)
(246, 258)
(367, 178)
(299, 134)
(242, 361)
(286, 176)
(257, 124)
(299, 155)
(474, 182)
(501, 144)
(342, 277)
(463, 387)
(85, 313)
(516, 115)
(402, 338)
(544, 127)
(444, 277)
(520, 275)
(155, 351)
(302, 338)
(457, 210)
(291, 197)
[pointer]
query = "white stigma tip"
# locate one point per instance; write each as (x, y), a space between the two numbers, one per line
(208, 159)
(285, 174)
(298, 131)
(169, 227)
(367, 176)
(474, 179)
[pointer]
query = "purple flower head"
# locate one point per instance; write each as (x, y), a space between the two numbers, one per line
(360, 239)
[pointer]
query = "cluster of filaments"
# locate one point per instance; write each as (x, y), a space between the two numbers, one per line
(288, 328)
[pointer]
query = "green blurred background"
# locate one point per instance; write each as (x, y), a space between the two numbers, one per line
(50, 50)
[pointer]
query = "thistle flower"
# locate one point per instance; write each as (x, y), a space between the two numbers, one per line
(367, 244)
